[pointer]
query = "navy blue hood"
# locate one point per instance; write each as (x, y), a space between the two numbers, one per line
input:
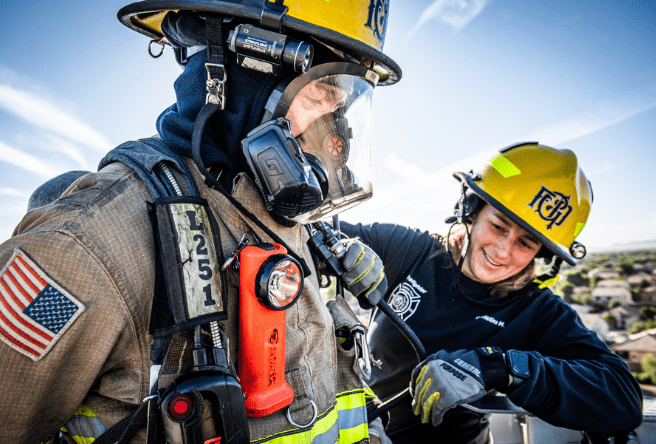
(247, 92)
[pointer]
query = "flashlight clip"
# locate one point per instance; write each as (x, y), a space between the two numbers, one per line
(235, 255)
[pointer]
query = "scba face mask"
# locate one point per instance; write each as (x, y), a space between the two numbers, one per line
(325, 166)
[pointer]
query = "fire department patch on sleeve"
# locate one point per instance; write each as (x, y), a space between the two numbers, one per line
(34, 311)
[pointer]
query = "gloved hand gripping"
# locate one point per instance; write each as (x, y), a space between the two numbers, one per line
(447, 379)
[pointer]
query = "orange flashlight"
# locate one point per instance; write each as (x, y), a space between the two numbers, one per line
(270, 282)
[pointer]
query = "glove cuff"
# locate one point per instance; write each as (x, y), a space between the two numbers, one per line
(493, 365)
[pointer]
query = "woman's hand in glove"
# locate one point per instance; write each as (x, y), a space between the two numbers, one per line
(447, 379)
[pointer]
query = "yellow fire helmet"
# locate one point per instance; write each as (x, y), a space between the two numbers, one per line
(355, 27)
(540, 188)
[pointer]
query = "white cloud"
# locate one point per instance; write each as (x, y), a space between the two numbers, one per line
(414, 197)
(27, 161)
(12, 192)
(601, 117)
(48, 116)
(67, 148)
(456, 13)
(602, 236)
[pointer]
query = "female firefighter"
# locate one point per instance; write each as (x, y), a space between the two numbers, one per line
(486, 322)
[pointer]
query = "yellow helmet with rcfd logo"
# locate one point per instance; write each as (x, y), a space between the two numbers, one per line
(355, 27)
(540, 188)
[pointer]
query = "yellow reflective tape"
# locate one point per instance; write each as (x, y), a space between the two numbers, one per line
(355, 434)
(321, 425)
(505, 167)
(351, 400)
(345, 401)
(85, 411)
(579, 228)
(548, 282)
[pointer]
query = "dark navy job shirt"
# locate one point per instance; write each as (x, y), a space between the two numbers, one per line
(576, 382)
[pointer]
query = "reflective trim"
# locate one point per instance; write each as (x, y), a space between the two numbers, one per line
(579, 228)
(84, 426)
(505, 167)
(344, 422)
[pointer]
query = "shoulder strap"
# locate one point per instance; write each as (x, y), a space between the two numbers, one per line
(153, 161)
(165, 175)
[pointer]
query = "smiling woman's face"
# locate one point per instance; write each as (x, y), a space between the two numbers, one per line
(498, 247)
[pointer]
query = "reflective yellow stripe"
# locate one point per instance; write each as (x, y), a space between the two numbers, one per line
(84, 426)
(355, 434)
(343, 422)
(548, 282)
(350, 400)
(85, 411)
(579, 228)
(505, 167)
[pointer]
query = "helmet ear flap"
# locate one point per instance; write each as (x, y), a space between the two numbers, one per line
(466, 206)
(470, 204)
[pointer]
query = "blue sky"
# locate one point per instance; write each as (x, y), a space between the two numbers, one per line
(477, 75)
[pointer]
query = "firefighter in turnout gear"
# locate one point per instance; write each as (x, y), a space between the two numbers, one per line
(120, 300)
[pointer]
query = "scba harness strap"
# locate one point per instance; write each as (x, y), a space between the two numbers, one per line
(189, 287)
(185, 229)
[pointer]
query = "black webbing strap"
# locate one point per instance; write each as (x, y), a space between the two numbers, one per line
(215, 63)
(125, 429)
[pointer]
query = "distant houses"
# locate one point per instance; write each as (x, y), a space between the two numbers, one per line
(636, 348)
(602, 274)
(615, 298)
(596, 323)
(624, 316)
(607, 294)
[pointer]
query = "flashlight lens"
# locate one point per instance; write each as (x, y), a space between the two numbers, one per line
(284, 284)
(578, 250)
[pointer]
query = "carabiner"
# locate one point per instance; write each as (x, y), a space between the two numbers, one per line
(362, 354)
(150, 49)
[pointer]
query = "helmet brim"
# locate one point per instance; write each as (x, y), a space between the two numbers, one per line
(135, 16)
(555, 248)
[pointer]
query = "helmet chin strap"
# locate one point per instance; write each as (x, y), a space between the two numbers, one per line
(457, 268)
(461, 217)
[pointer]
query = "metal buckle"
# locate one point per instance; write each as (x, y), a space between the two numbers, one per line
(314, 417)
(215, 84)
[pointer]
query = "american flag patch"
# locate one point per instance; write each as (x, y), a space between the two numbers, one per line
(34, 310)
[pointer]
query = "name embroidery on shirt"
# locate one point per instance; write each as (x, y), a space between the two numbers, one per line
(491, 320)
(406, 297)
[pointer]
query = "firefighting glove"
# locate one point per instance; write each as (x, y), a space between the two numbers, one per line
(448, 379)
(364, 276)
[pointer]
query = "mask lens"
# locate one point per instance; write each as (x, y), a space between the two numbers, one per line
(331, 118)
